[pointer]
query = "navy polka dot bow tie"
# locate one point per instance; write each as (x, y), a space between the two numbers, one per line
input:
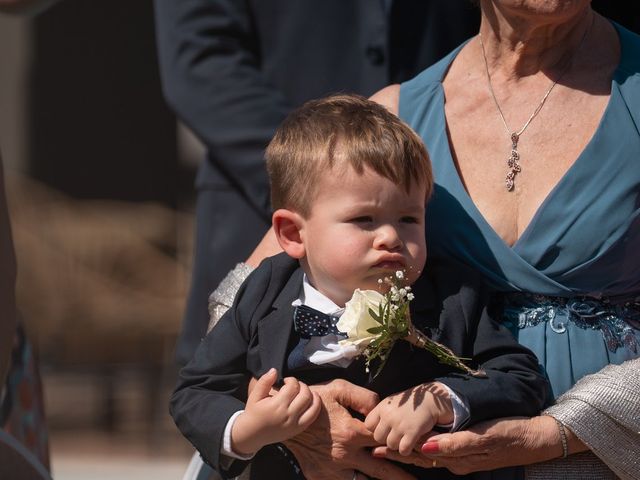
(310, 322)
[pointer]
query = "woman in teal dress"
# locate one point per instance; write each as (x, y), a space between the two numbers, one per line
(533, 130)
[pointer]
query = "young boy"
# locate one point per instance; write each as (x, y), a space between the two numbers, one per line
(349, 186)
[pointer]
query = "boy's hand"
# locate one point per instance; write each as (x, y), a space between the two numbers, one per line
(401, 420)
(272, 416)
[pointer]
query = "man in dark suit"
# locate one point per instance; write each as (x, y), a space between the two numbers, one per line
(359, 218)
(233, 69)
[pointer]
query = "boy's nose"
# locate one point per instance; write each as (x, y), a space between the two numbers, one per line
(387, 238)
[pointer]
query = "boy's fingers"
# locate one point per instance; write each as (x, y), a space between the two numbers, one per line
(290, 389)
(393, 440)
(372, 420)
(381, 433)
(407, 444)
(310, 415)
(262, 387)
(302, 400)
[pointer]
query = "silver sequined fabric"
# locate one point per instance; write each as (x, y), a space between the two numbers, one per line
(603, 410)
(619, 323)
(222, 297)
(583, 466)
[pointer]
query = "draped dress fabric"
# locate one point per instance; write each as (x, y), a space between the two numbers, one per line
(583, 241)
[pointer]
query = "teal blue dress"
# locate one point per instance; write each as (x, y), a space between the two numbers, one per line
(569, 288)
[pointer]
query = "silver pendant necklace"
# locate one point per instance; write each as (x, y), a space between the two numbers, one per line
(513, 162)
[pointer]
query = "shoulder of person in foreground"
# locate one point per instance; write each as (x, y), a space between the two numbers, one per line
(457, 300)
(388, 97)
(212, 387)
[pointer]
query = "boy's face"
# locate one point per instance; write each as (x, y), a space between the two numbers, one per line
(362, 227)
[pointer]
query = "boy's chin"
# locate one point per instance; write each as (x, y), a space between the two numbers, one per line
(374, 284)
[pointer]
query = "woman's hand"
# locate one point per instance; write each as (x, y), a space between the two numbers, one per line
(336, 443)
(504, 442)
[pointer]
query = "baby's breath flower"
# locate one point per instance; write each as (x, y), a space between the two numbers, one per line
(399, 274)
(410, 296)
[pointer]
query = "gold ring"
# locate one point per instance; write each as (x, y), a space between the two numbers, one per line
(433, 463)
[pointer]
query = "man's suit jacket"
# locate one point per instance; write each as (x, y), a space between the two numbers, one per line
(233, 69)
(257, 334)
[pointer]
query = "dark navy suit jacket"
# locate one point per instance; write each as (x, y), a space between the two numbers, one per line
(257, 334)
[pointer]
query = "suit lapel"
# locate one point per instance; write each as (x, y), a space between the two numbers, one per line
(274, 330)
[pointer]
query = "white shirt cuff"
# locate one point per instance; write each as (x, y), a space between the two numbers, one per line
(461, 411)
(227, 455)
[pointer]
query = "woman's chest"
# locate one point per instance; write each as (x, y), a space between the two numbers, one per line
(509, 180)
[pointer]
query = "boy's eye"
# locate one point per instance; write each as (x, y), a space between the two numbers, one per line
(362, 219)
(410, 219)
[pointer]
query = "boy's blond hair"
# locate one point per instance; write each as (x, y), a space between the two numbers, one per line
(339, 131)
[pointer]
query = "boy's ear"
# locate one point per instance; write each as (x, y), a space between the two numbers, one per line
(287, 226)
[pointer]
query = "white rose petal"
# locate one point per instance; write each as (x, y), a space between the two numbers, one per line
(356, 319)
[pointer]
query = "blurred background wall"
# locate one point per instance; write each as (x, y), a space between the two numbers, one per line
(99, 180)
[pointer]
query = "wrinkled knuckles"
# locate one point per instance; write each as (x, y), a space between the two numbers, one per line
(348, 436)
(339, 455)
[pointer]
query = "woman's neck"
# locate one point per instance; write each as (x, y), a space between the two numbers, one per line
(519, 45)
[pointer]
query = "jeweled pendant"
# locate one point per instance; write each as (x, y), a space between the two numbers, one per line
(512, 163)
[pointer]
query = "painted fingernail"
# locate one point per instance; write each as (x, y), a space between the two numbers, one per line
(378, 454)
(430, 447)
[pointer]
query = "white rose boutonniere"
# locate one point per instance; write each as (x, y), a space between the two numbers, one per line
(357, 319)
(373, 322)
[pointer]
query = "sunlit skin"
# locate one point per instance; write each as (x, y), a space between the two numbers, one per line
(361, 228)
(271, 416)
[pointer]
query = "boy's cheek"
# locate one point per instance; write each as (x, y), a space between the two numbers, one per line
(420, 258)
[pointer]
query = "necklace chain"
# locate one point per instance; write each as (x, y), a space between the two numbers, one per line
(513, 160)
